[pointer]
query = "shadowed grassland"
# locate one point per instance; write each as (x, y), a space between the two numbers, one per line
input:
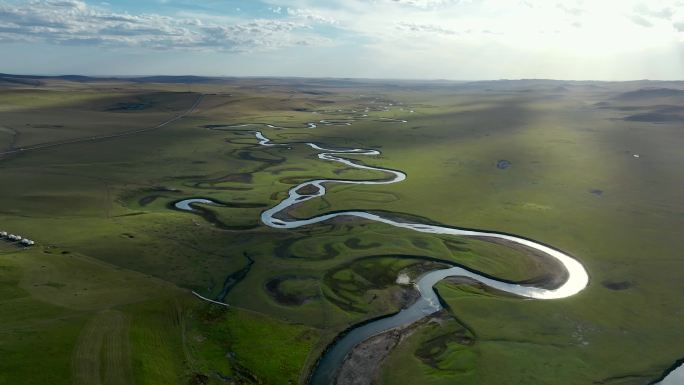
(438, 352)
(251, 347)
(66, 314)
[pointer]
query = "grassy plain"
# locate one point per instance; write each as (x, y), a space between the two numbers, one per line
(114, 264)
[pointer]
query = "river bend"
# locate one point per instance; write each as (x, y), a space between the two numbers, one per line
(331, 361)
(428, 303)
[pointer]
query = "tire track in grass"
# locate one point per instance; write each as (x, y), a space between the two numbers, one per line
(118, 368)
(85, 360)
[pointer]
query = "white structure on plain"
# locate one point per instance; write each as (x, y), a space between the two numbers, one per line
(16, 238)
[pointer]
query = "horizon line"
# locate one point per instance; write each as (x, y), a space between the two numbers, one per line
(218, 77)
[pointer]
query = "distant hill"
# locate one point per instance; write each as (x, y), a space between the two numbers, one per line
(655, 117)
(39, 79)
(525, 85)
(650, 93)
(173, 79)
(648, 89)
(4, 79)
(659, 114)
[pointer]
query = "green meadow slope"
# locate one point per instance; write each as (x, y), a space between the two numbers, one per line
(105, 297)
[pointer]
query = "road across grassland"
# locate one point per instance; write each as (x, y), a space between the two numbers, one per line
(97, 138)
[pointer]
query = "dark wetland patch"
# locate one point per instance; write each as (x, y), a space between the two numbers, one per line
(347, 284)
(617, 285)
(355, 243)
(503, 164)
(455, 245)
(285, 250)
(147, 196)
(209, 186)
(233, 279)
(123, 107)
(212, 217)
(293, 290)
(307, 190)
(340, 171)
(146, 200)
(48, 126)
(318, 252)
(275, 196)
(287, 169)
(242, 177)
(259, 156)
(244, 205)
(297, 179)
(438, 339)
(189, 176)
(198, 379)
(420, 243)
(232, 204)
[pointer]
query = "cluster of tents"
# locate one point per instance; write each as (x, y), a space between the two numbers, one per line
(16, 238)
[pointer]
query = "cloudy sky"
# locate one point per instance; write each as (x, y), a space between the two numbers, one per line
(434, 39)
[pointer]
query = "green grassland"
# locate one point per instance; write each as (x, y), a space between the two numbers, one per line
(36, 116)
(105, 295)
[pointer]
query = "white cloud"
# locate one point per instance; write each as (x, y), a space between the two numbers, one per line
(661, 12)
(424, 3)
(311, 15)
(425, 28)
(571, 9)
(74, 22)
(580, 26)
(579, 38)
(399, 38)
(642, 21)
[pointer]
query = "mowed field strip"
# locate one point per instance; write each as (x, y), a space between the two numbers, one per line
(103, 355)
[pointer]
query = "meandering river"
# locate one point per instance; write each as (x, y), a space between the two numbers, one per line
(428, 303)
